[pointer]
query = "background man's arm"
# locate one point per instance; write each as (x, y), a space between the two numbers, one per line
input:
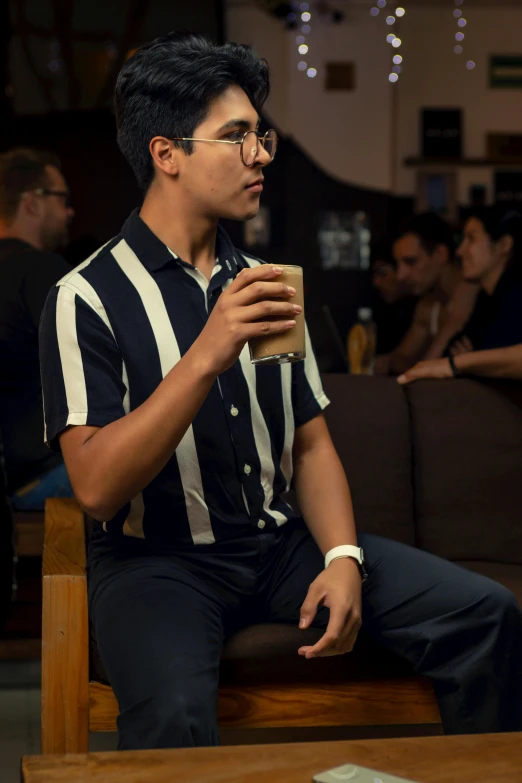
(460, 309)
(415, 341)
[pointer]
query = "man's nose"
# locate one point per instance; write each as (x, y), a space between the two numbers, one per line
(263, 157)
(70, 213)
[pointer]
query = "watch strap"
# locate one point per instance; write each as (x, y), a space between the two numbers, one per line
(345, 550)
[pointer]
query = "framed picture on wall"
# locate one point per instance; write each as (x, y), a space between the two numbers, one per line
(437, 192)
(344, 240)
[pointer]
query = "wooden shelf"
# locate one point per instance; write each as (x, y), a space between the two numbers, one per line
(460, 162)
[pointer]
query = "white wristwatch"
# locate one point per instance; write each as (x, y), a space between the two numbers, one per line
(347, 550)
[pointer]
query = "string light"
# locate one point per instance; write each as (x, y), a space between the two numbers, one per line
(391, 38)
(301, 15)
(459, 36)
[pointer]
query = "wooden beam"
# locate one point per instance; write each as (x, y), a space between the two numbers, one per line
(65, 637)
(360, 703)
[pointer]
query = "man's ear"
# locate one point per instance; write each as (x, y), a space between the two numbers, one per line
(505, 245)
(30, 204)
(442, 254)
(164, 155)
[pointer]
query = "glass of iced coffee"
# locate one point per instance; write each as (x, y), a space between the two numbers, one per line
(289, 346)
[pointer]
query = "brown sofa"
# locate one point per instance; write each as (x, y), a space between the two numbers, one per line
(436, 465)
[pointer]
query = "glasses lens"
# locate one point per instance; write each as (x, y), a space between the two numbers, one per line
(250, 148)
(270, 143)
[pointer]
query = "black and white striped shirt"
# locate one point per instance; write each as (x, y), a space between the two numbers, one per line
(111, 331)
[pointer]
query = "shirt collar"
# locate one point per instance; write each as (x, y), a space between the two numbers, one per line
(154, 254)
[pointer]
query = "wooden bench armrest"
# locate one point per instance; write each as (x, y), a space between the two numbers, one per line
(64, 541)
(65, 635)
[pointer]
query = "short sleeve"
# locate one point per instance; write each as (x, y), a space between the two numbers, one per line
(308, 397)
(83, 375)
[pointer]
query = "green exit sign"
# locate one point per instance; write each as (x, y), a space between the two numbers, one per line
(505, 70)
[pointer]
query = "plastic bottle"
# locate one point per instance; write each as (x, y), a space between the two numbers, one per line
(362, 341)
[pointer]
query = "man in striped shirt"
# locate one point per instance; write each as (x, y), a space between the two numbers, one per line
(182, 450)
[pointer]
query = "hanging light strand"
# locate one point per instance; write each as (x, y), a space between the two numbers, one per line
(301, 18)
(460, 35)
(391, 16)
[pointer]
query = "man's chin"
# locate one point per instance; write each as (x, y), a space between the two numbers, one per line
(242, 216)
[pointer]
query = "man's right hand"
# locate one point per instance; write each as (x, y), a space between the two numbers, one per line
(244, 310)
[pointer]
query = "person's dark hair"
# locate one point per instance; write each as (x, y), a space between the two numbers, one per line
(499, 221)
(166, 87)
(431, 230)
(381, 251)
(22, 169)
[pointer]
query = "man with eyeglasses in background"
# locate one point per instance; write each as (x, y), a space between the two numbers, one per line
(34, 217)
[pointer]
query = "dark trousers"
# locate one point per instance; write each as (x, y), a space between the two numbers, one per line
(161, 618)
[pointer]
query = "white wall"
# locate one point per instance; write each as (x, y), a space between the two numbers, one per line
(434, 76)
(346, 133)
(360, 136)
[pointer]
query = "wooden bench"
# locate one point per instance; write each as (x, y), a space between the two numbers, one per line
(72, 704)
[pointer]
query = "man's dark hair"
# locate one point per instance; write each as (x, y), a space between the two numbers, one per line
(22, 169)
(166, 87)
(432, 231)
(381, 252)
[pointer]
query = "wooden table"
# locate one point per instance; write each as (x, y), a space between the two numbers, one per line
(480, 758)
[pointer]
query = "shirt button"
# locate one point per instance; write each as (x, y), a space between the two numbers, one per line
(248, 470)
(233, 410)
(261, 524)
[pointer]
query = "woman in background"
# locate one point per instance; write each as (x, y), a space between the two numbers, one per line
(490, 345)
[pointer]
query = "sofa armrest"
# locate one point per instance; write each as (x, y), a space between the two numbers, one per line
(65, 638)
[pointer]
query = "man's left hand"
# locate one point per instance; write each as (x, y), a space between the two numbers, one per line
(433, 368)
(338, 587)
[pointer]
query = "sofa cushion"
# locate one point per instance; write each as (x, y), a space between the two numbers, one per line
(467, 456)
(369, 422)
(508, 574)
(267, 654)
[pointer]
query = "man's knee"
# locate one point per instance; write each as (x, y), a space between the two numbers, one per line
(500, 603)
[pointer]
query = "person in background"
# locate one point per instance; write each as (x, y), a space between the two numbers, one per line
(490, 344)
(424, 255)
(34, 219)
(393, 305)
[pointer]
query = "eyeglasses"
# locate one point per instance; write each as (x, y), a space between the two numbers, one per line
(50, 192)
(249, 145)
